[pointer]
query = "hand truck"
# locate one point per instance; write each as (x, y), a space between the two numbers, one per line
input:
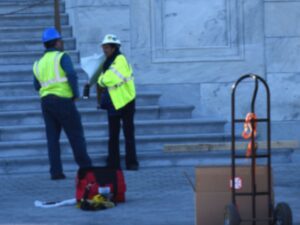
(279, 215)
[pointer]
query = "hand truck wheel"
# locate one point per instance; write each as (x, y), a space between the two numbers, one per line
(283, 214)
(231, 215)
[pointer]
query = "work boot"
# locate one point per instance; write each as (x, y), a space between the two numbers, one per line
(58, 177)
(133, 167)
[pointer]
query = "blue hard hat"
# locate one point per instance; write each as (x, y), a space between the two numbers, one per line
(50, 34)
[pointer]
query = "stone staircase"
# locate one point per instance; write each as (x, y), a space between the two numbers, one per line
(22, 135)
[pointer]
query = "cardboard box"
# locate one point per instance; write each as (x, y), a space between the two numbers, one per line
(213, 193)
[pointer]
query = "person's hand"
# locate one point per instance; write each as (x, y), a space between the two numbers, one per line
(75, 99)
(86, 91)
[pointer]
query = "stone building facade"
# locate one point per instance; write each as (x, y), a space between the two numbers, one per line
(193, 50)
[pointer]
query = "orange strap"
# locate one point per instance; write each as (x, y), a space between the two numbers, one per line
(249, 148)
(249, 130)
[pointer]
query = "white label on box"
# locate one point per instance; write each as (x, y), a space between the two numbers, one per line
(238, 183)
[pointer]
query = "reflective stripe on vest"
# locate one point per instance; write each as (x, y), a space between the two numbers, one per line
(121, 76)
(57, 78)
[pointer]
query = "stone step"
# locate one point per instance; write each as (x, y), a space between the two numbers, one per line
(13, 74)
(99, 145)
(147, 159)
(97, 129)
(8, 58)
(92, 115)
(29, 20)
(226, 146)
(13, 90)
(30, 45)
(19, 1)
(33, 102)
(19, 33)
(28, 7)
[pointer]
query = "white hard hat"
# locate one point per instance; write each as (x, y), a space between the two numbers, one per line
(111, 39)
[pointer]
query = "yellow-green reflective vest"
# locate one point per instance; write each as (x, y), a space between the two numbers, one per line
(51, 76)
(119, 81)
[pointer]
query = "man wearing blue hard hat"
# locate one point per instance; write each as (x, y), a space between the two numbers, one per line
(56, 81)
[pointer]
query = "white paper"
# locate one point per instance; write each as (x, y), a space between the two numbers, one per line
(92, 65)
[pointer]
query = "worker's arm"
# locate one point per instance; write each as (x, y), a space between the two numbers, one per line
(67, 66)
(36, 84)
(109, 78)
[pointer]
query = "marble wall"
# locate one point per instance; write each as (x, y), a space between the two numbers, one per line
(193, 50)
(92, 19)
(171, 43)
(282, 41)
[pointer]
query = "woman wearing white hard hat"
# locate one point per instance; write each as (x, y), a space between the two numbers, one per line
(118, 99)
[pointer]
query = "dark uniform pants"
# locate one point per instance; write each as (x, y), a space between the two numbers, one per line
(126, 115)
(61, 113)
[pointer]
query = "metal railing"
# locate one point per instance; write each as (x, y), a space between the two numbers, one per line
(57, 16)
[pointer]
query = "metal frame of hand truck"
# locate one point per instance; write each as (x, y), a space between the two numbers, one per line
(282, 214)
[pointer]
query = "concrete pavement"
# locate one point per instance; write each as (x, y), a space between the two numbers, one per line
(155, 196)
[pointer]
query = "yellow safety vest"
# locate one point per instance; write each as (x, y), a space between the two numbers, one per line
(51, 76)
(119, 81)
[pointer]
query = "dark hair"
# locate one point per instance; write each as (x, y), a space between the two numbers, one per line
(116, 46)
(50, 44)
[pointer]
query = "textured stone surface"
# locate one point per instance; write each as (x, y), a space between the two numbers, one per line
(227, 146)
(283, 54)
(282, 32)
(93, 19)
(213, 49)
(154, 196)
(150, 192)
(206, 84)
(206, 61)
(90, 18)
(285, 95)
(211, 30)
(282, 18)
(180, 47)
(172, 94)
(216, 99)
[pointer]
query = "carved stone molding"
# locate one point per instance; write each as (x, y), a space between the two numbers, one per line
(190, 30)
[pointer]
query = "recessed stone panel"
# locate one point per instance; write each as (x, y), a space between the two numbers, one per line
(202, 27)
(211, 30)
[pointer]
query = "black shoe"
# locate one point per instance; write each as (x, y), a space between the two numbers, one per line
(133, 167)
(113, 167)
(58, 177)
